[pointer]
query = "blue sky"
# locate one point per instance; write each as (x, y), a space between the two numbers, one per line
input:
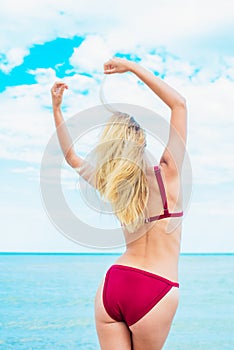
(193, 51)
(46, 55)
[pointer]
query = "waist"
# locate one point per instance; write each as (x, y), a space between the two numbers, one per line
(132, 269)
(164, 268)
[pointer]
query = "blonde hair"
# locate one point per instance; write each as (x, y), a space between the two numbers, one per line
(120, 174)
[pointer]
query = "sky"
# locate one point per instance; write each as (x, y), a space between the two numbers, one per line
(188, 44)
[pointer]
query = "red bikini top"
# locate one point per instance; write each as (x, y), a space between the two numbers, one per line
(166, 213)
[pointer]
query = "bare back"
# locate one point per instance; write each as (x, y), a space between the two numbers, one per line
(157, 244)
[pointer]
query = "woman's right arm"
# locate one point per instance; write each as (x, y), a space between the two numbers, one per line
(174, 152)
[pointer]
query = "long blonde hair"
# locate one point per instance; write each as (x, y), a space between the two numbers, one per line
(120, 174)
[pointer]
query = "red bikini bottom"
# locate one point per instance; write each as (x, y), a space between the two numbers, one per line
(129, 293)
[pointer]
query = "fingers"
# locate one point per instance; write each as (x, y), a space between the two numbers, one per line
(59, 84)
(109, 62)
(58, 88)
(109, 67)
(109, 70)
(116, 65)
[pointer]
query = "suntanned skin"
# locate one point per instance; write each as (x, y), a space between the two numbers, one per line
(156, 250)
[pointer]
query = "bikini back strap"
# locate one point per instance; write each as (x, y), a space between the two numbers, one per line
(161, 188)
(166, 213)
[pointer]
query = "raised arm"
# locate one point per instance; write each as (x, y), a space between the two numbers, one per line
(173, 154)
(64, 138)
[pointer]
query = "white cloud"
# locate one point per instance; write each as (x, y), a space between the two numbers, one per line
(44, 76)
(26, 116)
(27, 125)
(125, 24)
(14, 57)
(26, 122)
(90, 55)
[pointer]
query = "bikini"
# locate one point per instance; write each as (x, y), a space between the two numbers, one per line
(130, 293)
(166, 213)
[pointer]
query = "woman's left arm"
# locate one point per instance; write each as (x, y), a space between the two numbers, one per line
(64, 138)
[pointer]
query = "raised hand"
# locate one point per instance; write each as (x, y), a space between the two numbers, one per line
(57, 91)
(117, 65)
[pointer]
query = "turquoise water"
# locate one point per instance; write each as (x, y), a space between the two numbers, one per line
(46, 302)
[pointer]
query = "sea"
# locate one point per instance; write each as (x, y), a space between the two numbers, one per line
(46, 301)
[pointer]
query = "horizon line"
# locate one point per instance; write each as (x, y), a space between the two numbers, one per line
(104, 253)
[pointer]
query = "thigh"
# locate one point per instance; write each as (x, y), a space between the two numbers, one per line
(112, 335)
(150, 332)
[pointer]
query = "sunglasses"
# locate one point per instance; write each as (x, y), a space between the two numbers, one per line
(134, 124)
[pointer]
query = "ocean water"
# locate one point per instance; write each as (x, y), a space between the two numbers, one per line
(46, 302)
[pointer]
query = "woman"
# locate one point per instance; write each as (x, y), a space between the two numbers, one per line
(137, 300)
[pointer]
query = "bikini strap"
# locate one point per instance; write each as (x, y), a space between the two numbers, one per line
(166, 213)
(158, 175)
